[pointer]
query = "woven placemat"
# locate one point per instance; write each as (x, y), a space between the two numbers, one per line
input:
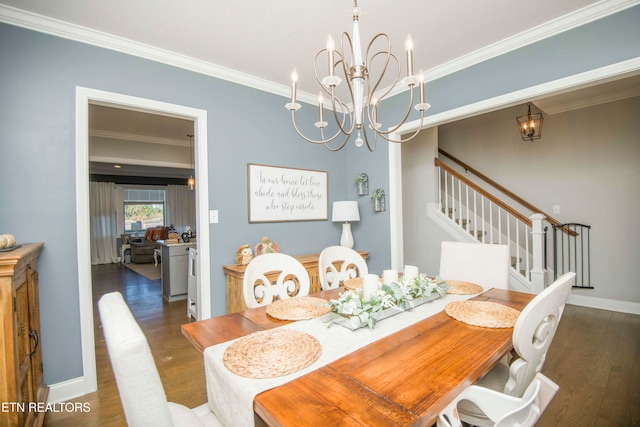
(298, 308)
(458, 287)
(352, 284)
(272, 353)
(483, 313)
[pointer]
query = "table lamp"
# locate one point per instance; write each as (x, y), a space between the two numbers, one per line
(344, 212)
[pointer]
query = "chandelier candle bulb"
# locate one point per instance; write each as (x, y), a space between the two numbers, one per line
(409, 46)
(320, 106)
(330, 48)
(370, 284)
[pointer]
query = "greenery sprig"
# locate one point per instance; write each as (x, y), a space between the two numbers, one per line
(378, 193)
(360, 311)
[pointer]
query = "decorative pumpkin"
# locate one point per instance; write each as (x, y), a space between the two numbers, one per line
(266, 247)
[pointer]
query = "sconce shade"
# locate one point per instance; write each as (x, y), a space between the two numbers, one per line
(530, 126)
(345, 211)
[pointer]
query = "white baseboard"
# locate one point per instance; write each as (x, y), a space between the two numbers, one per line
(605, 304)
(67, 390)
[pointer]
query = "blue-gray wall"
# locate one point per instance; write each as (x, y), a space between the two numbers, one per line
(38, 77)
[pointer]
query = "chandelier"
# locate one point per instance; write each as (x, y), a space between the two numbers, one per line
(360, 110)
(530, 125)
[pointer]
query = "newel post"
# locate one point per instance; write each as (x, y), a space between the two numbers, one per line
(538, 272)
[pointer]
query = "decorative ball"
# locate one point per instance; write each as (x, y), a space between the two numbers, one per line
(3, 241)
(11, 240)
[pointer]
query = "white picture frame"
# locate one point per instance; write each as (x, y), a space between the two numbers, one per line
(281, 194)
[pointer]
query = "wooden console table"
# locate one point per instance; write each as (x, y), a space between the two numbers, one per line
(235, 276)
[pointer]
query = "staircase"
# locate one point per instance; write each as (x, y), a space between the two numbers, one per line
(475, 213)
(471, 213)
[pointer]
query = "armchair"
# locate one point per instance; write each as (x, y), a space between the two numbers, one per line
(142, 252)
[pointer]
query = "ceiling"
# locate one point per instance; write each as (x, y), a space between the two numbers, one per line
(264, 40)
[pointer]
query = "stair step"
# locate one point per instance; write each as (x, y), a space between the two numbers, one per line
(465, 222)
(477, 233)
(448, 211)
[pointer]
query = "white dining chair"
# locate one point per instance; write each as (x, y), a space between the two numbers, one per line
(141, 392)
(532, 336)
(502, 410)
(484, 264)
(291, 280)
(351, 263)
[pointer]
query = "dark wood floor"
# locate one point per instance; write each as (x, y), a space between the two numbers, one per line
(180, 365)
(595, 359)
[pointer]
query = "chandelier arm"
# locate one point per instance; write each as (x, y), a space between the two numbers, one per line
(388, 54)
(366, 139)
(404, 119)
(345, 113)
(334, 99)
(314, 141)
(399, 141)
(379, 81)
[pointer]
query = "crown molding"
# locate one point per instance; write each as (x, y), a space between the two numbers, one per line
(96, 133)
(554, 27)
(43, 24)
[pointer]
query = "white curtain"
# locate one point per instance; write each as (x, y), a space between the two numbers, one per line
(181, 207)
(102, 207)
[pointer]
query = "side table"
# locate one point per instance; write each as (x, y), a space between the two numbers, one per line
(235, 277)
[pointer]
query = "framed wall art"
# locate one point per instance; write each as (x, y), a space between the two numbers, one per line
(277, 194)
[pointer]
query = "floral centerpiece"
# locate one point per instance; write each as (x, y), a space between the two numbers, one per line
(393, 297)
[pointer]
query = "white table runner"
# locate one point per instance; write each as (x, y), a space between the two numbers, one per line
(231, 396)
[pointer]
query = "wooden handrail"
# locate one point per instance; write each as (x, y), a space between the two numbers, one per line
(513, 196)
(485, 193)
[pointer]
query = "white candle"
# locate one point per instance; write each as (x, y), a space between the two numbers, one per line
(321, 106)
(410, 272)
(294, 81)
(389, 276)
(370, 284)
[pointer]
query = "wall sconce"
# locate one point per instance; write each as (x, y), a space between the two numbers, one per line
(345, 212)
(362, 182)
(378, 200)
(530, 126)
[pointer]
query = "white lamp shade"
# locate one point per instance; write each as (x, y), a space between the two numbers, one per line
(345, 211)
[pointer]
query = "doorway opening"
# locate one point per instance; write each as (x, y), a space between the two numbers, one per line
(85, 97)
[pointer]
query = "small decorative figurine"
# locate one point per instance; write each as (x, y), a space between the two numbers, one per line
(243, 255)
(266, 247)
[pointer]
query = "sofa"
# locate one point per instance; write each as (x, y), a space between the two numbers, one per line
(142, 252)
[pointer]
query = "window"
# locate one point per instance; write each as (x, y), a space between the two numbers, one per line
(143, 208)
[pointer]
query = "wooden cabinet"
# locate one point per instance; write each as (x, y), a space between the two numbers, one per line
(21, 378)
(235, 276)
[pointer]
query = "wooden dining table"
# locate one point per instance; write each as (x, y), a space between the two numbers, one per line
(404, 379)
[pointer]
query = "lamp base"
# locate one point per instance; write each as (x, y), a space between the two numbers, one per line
(346, 239)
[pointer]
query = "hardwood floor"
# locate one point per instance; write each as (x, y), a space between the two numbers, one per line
(595, 359)
(180, 365)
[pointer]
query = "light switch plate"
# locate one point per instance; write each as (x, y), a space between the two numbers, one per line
(213, 216)
(556, 209)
